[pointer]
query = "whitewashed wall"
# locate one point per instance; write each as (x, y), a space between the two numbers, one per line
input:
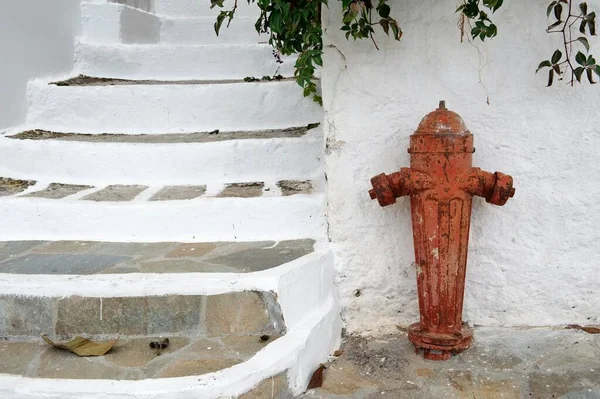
(534, 261)
(36, 39)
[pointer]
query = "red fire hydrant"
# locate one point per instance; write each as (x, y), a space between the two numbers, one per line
(441, 182)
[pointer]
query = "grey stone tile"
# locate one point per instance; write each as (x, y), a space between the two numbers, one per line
(246, 346)
(170, 193)
(77, 315)
(184, 266)
(125, 316)
(291, 187)
(138, 353)
(12, 249)
(10, 186)
(58, 191)
(275, 387)
(15, 357)
(258, 259)
(185, 367)
(174, 314)
(110, 316)
(60, 264)
(66, 247)
(193, 249)
(242, 190)
(137, 250)
(116, 193)
(25, 316)
(237, 313)
(56, 363)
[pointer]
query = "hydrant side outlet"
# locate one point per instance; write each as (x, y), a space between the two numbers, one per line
(441, 183)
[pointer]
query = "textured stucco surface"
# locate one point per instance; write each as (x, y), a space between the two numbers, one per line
(532, 262)
(41, 46)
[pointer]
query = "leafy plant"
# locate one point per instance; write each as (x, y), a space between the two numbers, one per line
(560, 64)
(484, 28)
(294, 27)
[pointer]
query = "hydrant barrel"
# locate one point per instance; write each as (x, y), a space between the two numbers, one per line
(441, 183)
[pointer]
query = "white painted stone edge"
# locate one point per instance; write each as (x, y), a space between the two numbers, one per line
(311, 336)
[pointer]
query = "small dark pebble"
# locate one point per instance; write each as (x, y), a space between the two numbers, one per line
(264, 337)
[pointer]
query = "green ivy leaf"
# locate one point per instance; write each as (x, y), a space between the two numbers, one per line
(580, 58)
(543, 64)
(583, 7)
(556, 56)
(384, 11)
(585, 42)
(550, 77)
(596, 69)
(578, 73)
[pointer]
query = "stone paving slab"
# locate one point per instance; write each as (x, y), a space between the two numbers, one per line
(170, 193)
(292, 187)
(10, 186)
(243, 190)
(129, 359)
(89, 257)
(532, 363)
(116, 193)
(58, 191)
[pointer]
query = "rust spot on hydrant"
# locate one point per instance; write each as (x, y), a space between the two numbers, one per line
(441, 183)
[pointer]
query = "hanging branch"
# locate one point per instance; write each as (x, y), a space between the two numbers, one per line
(560, 64)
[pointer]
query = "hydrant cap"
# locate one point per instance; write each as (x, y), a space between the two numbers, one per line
(442, 121)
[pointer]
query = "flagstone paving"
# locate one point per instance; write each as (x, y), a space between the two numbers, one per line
(536, 363)
(130, 358)
(88, 257)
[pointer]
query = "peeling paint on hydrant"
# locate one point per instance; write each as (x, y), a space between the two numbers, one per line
(441, 182)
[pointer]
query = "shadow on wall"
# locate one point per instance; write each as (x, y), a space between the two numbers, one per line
(37, 38)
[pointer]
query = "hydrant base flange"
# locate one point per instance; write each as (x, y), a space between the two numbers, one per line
(439, 346)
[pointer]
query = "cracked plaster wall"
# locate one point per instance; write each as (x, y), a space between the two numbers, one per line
(531, 262)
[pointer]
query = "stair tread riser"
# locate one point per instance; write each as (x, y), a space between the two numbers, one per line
(164, 62)
(158, 107)
(166, 164)
(218, 219)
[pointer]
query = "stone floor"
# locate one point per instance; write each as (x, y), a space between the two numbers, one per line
(502, 363)
(86, 257)
(127, 193)
(130, 359)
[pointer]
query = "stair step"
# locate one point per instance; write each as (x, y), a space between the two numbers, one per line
(226, 312)
(179, 62)
(92, 258)
(159, 108)
(164, 160)
(115, 23)
(201, 219)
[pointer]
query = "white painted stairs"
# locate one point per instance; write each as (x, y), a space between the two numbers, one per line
(179, 80)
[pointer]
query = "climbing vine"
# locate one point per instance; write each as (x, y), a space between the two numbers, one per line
(294, 27)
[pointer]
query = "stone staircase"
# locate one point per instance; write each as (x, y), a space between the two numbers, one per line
(155, 193)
